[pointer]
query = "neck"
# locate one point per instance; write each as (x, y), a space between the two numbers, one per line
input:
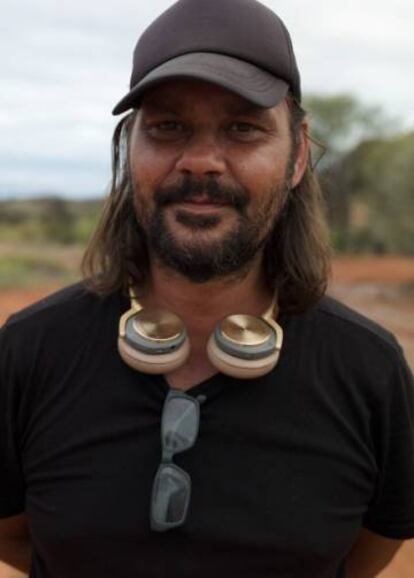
(202, 305)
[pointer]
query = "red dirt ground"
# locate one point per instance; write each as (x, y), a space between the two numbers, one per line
(381, 288)
(14, 299)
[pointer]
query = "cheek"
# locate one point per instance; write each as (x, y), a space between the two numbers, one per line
(262, 172)
(148, 167)
(144, 173)
(147, 171)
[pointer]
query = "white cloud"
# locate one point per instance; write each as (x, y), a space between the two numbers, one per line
(65, 65)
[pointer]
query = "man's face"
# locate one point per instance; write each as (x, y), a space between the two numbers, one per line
(210, 173)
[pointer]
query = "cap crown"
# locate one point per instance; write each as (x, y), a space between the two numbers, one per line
(243, 29)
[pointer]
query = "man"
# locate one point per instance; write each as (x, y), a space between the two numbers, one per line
(275, 460)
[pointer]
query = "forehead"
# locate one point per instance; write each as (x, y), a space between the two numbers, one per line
(187, 94)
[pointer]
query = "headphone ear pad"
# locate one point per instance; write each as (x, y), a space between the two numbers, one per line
(238, 367)
(153, 363)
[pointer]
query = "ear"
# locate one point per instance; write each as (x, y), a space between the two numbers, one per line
(302, 153)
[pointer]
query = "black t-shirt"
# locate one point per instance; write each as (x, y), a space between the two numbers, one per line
(285, 471)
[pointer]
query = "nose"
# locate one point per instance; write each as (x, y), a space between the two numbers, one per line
(201, 156)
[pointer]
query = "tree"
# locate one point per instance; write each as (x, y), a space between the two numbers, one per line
(379, 174)
(340, 123)
(57, 221)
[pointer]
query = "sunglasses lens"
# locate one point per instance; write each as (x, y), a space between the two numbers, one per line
(180, 424)
(170, 497)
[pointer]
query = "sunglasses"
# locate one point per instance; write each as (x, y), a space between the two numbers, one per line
(171, 490)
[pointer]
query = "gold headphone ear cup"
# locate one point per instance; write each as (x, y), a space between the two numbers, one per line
(237, 367)
(153, 363)
(245, 346)
(152, 341)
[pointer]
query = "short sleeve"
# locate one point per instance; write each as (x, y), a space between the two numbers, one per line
(11, 479)
(391, 513)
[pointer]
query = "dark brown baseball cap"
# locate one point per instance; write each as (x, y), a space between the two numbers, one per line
(240, 45)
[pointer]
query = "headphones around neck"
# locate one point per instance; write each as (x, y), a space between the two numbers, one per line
(156, 341)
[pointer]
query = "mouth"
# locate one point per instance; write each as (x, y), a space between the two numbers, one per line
(201, 203)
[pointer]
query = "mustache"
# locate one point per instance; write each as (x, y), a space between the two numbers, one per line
(191, 188)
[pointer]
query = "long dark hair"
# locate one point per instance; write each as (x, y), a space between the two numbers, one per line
(296, 256)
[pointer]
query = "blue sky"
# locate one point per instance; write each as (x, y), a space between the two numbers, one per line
(64, 66)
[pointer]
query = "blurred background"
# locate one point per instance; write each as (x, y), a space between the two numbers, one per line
(65, 65)
(63, 68)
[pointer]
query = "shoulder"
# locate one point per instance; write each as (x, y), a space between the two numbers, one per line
(52, 304)
(66, 315)
(70, 299)
(348, 324)
(339, 345)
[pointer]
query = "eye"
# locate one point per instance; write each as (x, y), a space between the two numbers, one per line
(244, 131)
(166, 129)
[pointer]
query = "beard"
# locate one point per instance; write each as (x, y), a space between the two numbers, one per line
(199, 259)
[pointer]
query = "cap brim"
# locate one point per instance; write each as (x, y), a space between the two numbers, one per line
(242, 78)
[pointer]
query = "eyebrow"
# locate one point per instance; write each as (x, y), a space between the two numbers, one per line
(153, 104)
(238, 108)
(246, 107)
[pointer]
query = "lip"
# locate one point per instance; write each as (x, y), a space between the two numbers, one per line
(201, 205)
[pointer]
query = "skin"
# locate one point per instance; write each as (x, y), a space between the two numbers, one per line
(199, 130)
(15, 547)
(191, 128)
